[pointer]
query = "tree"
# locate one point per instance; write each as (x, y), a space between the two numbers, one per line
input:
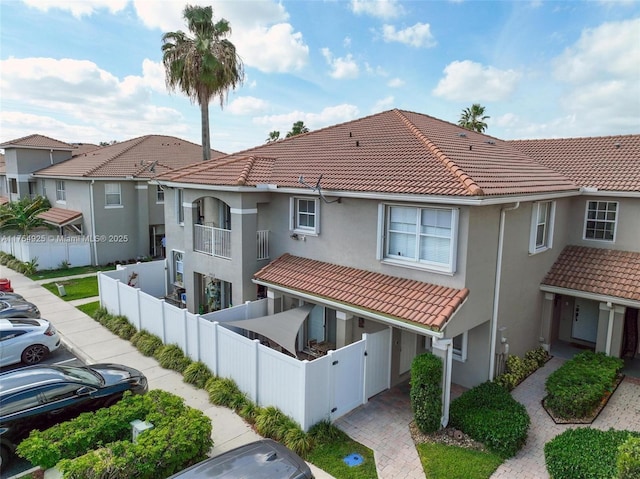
(22, 215)
(298, 128)
(473, 118)
(273, 136)
(203, 65)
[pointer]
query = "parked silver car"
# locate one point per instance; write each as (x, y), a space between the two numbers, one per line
(28, 340)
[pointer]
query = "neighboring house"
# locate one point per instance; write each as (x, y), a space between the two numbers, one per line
(101, 194)
(448, 238)
(4, 192)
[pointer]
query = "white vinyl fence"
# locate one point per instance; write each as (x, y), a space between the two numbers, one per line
(307, 391)
(48, 250)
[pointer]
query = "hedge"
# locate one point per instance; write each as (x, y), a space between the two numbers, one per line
(426, 391)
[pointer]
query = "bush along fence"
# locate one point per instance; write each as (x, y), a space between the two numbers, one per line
(99, 444)
(518, 369)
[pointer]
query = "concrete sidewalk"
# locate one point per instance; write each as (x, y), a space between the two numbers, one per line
(93, 343)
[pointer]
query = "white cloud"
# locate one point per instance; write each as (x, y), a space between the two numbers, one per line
(78, 8)
(274, 49)
(395, 82)
(341, 68)
(383, 104)
(247, 105)
(419, 35)
(471, 81)
(377, 8)
(328, 116)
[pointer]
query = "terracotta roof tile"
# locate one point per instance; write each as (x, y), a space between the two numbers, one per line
(374, 292)
(391, 152)
(598, 271)
(3, 200)
(142, 157)
(60, 216)
(610, 163)
(37, 141)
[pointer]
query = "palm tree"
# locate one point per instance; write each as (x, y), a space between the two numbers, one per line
(22, 215)
(473, 118)
(298, 127)
(202, 65)
(273, 136)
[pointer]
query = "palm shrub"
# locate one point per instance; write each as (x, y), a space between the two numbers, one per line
(170, 356)
(628, 460)
(146, 342)
(197, 373)
(426, 391)
(225, 392)
(269, 422)
(490, 415)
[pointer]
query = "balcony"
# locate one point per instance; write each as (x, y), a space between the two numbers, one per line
(217, 242)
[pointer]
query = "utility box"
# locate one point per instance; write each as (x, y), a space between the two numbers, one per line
(138, 427)
(61, 290)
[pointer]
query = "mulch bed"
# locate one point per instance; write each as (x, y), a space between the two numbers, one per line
(448, 436)
(593, 416)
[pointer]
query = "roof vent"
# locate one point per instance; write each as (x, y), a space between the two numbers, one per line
(462, 135)
(470, 147)
(350, 134)
(490, 142)
(617, 144)
(357, 142)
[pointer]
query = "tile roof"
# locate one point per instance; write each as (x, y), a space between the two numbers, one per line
(60, 216)
(36, 141)
(142, 157)
(3, 200)
(610, 163)
(598, 271)
(403, 299)
(391, 152)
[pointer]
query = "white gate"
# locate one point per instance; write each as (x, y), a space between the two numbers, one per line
(347, 378)
(378, 362)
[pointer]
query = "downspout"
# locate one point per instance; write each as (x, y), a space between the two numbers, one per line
(93, 224)
(51, 156)
(496, 290)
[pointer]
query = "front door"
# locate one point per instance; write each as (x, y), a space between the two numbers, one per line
(407, 350)
(585, 320)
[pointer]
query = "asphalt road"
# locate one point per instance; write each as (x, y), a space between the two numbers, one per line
(59, 356)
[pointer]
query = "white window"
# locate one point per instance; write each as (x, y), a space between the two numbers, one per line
(159, 194)
(61, 193)
(542, 220)
(421, 236)
(305, 215)
(601, 218)
(112, 194)
(178, 268)
(460, 347)
(179, 207)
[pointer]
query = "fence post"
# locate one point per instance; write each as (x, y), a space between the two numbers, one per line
(256, 375)
(365, 399)
(216, 344)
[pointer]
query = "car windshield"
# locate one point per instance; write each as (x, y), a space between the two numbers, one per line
(83, 374)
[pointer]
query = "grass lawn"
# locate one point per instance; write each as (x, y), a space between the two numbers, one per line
(89, 308)
(329, 457)
(441, 461)
(76, 288)
(58, 273)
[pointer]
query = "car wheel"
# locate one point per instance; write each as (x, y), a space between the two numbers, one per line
(4, 457)
(34, 354)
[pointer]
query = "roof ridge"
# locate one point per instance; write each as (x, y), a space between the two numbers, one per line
(120, 153)
(469, 184)
(187, 170)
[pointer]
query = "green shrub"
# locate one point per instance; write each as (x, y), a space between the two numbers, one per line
(490, 415)
(197, 373)
(225, 392)
(426, 391)
(269, 422)
(539, 355)
(584, 453)
(576, 389)
(147, 343)
(628, 459)
(298, 441)
(170, 356)
(324, 432)
(249, 411)
(119, 325)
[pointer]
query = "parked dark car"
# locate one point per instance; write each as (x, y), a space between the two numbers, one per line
(18, 308)
(264, 459)
(38, 397)
(7, 295)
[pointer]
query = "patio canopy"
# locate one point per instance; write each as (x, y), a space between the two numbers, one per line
(280, 327)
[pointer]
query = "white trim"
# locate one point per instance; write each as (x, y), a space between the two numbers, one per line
(294, 225)
(549, 226)
(586, 219)
(240, 211)
(119, 194)
(585, 295)
(113, 207)
(141, 187)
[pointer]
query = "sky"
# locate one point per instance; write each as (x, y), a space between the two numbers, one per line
(90, 71)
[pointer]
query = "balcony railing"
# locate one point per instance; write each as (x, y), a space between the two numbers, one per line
(217, 242)
(212, 241)
(263, 244)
